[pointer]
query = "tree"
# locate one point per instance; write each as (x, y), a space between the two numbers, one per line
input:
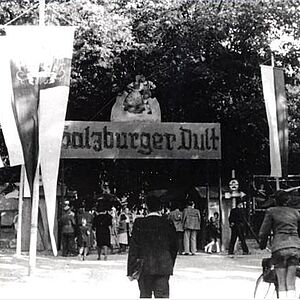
(203, 56)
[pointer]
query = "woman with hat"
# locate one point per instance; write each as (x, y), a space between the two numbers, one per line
(284, 223)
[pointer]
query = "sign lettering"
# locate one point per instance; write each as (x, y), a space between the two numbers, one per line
(141, 140)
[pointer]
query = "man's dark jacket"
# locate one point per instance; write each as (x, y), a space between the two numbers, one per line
(154, 240)
(236, 217)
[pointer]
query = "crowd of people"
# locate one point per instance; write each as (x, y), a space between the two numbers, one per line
(108, 228)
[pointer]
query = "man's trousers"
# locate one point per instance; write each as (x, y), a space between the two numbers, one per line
(156, 284)
(237, 232)
(190, 241)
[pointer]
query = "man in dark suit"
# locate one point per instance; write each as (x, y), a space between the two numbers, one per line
(237, 225)
(154, 241)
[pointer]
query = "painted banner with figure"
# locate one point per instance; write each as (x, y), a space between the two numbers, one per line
(276, 108)
(24, 64)
(7, 119)
(141, 140)
(40, 71)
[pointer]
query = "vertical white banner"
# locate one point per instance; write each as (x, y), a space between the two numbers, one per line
(282, 122)
(268, 83)
(52, 110)
(39, 82)
(7, 119)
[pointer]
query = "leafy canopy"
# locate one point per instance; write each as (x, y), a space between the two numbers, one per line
(203, 57)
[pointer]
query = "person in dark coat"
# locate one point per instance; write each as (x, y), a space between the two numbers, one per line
(153, 241)
(284, 222)
(176, 217)
(102, 223)
(237, 225)
(67, 223)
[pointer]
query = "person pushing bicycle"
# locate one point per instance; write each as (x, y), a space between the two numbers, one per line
(284, 222)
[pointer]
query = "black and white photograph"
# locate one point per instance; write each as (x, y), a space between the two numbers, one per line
(149, 149)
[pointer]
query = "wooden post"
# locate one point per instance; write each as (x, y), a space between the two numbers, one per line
(20, 211)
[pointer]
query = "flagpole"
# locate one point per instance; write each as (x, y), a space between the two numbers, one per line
(221, 208)
(20, 211)
(272, 59)
(42, 12)
(273, 65)
(36, 185)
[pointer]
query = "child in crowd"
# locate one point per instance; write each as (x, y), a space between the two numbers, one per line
(114, 230)
(214, 234)
(84, 239)
(122, 233)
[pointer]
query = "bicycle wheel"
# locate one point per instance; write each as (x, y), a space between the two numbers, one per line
(264, 290)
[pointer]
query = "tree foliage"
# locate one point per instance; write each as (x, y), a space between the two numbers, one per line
(203, 56)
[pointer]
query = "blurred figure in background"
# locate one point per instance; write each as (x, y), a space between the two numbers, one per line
(191, 220)
(114, 230)
(84, 241)
(67, 223)
(213, 234)
(138, 212)
(83, 213)
(102, 223)
(122, 233)
(237, 225)
(129, 221)
(176, 217)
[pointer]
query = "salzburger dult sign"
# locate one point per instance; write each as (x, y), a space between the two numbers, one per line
(136, 131)
(141, 140)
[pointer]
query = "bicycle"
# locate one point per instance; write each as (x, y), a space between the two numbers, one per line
(266, 286)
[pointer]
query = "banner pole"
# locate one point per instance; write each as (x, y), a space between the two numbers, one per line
(42, 12)
(221, 208)
(34, 220)
(36, 185)
(20, 211)
(272, 59)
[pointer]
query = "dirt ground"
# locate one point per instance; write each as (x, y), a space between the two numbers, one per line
(204, 276)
